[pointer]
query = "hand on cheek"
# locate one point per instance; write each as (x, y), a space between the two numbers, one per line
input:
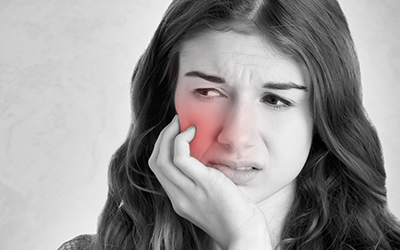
(200, 194)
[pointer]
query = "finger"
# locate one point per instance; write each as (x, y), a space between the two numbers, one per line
(162, 159)
(189, 165)
(156, 150)
(167, 137)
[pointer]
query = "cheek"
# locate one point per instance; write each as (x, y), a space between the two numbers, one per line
(294, 143)
(206, 119)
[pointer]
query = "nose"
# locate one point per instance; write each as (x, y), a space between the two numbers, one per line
(238, 131)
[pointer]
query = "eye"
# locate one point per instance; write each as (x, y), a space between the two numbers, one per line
(208, 94)
(276, 101)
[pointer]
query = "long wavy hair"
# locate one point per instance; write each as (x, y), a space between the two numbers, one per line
(340, 200)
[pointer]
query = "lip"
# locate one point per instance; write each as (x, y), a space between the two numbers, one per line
(237, 165)
(239, 173)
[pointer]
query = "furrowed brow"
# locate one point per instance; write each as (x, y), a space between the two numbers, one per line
(210, 78)
(269, 85)
(284, 86)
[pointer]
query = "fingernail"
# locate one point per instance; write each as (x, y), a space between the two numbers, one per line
(191, 128)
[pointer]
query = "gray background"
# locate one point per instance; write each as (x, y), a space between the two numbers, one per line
(65, 68)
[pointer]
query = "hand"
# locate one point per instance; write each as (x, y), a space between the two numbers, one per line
(204, 195)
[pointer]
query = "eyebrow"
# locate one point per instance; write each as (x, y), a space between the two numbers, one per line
(268, 85)
(284, 86)
(210, 78)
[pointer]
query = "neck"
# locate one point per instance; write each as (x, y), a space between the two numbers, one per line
(275, 209)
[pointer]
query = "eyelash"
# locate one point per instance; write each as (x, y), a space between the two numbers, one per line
(286, 104)
(205, 97)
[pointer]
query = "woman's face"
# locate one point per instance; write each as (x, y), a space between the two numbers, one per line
(251, 107)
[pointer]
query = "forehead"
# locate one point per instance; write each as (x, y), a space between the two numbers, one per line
(233, 54)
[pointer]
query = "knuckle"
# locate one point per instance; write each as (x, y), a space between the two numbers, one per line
(178, 137)
(158, 162)
(178, 140)
(180, 207)
(179, 160)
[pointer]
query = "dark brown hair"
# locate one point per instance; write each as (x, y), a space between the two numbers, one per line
(340, 200)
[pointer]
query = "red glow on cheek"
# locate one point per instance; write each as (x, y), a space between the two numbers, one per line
(204, 117)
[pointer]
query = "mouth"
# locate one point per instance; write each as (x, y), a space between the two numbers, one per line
(238, 173)
(244, 166)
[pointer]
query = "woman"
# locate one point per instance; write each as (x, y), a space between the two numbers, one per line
(271, 147)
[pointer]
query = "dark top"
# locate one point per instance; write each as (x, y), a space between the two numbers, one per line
(80, 242)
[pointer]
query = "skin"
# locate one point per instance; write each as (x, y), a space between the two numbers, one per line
(230, 161)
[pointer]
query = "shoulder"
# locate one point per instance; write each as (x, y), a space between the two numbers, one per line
(80, 242)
